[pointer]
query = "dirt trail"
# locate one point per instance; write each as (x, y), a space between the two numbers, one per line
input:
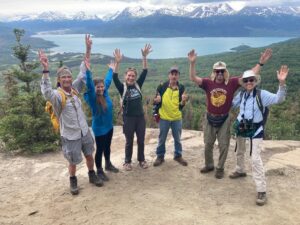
(35, 190)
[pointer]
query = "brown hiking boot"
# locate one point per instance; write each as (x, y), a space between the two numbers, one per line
(261, 198)
(236, 175)
(73, 186)
(207, 169)
(158, 161)
(219, 173)
(180, 160)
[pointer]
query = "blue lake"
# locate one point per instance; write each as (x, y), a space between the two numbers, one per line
(163, 48)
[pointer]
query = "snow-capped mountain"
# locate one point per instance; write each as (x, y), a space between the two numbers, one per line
(268, 11)
(199, 11)
(83, 16)
(213, 10)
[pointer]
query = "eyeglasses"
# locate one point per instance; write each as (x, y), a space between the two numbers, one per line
(246, 80)
(219, 71)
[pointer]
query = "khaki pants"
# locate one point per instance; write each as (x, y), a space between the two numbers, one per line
(258, 171)
(222, 134)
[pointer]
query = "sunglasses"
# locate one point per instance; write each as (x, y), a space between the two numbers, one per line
(246, 80)
(219, 71)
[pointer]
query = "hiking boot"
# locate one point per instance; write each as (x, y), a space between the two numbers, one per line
(180, 160)
(235, 175)
(73, 186)
(94, 179)
(110, 167)
(158, 161)
(219, 173)
(102, 175)
(207, 169)
(261, 198)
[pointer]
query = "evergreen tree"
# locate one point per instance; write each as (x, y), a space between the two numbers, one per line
(24, 125)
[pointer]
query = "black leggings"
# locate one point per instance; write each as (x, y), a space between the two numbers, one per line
(134, 124)
(103, 143)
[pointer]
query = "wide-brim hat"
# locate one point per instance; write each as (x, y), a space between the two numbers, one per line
(250, 73)
(220, 66)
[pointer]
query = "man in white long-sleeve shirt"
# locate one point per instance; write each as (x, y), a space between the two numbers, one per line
(249, 124)
(74, 130)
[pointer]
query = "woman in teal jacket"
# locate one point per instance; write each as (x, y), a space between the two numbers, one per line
(98, 99)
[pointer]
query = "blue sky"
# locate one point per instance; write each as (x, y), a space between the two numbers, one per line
(8, 7)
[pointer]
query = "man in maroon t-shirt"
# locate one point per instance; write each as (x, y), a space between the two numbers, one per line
(219, 89)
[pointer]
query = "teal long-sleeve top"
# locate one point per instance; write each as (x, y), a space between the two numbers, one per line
(102, 120)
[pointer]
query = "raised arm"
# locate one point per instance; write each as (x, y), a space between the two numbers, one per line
(44, 62)
(264, 57)
(270, 98)
(109, 74)
(147, 49)
(118, 58)
(49, 94)
(81, 77)
(192, 56)
(88, 46)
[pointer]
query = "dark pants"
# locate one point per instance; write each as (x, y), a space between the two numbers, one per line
(103, 143)
(135, 124)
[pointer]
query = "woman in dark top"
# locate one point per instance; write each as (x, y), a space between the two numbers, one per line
(133, 113)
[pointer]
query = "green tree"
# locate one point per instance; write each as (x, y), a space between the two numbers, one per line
(24, 125)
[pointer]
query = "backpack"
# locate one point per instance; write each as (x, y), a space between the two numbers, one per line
(49, 108)
(122, 97)
(264, 110)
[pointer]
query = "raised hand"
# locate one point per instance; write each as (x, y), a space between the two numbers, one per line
(265, 56)
(184, 97)
(43, 59)
(118, 55)
(282, 74)
(157, 98)
(112, 65)
(87, 63)
(192, 56)
(147, 49)
(88, 42)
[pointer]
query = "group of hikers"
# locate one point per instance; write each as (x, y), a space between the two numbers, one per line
(169, 100)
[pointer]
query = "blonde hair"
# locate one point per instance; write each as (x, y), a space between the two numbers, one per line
(226, 76)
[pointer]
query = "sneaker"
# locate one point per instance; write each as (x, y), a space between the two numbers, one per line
(127, 166)
(73, 185)
(110, 167)
(235, 175)
(94, 179)
(261, 198)
(102, 175)
(207, 169)
(219, 173)
(180, 160)
(143, 164)
(158, 161)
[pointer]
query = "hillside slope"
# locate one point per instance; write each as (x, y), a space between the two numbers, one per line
(35, 190)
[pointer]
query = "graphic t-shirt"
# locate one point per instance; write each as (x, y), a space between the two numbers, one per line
(219, 96)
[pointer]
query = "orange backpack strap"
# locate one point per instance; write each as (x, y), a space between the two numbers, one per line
(63, 98)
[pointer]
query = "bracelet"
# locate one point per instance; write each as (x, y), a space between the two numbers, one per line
(261, 64)
(45, 71)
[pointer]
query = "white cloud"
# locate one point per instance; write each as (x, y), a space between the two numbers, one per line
(9, 7)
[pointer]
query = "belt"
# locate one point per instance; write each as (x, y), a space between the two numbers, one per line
(216, 115)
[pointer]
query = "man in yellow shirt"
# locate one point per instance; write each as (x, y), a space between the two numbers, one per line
(170, 99)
